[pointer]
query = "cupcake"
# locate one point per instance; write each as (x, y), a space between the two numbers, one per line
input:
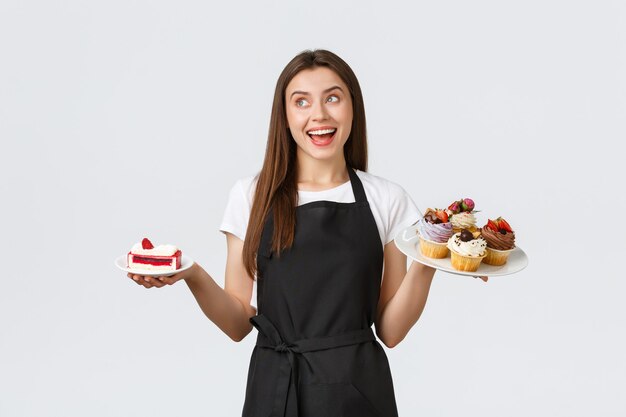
(500, 241)
(434, 230)
(461, 214)
(467, 250)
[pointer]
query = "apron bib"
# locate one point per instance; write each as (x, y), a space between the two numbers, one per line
(316, 354)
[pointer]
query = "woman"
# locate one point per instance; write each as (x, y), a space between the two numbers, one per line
(315, 229)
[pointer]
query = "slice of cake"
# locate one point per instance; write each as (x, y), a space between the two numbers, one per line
(143, 255)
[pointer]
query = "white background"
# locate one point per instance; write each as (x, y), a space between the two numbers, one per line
(124, 119)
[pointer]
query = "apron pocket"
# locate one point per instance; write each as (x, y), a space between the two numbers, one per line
(334, 400)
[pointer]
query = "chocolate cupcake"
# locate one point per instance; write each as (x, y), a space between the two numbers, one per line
(500, 239)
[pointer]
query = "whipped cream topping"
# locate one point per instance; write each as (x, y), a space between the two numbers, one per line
(464, 220)
(498, 241)
(161, 250)
(475, 247)
(439, 233)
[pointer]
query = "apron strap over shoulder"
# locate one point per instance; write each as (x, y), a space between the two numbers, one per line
(357, 186)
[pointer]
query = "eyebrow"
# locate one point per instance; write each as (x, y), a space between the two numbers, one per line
(328, 90)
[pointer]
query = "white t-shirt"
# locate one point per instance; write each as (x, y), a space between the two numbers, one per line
(392, 208)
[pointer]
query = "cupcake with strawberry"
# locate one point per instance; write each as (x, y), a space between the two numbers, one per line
(461, 214)
(467, 250)
(434, 230)
(500, 239)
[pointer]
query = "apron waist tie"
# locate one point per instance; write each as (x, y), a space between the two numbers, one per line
(271, 339)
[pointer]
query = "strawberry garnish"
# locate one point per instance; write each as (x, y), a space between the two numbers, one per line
(502, 224)
(491, 225)
(146, 244)
(442, 215)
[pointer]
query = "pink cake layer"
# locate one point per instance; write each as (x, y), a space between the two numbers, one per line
(171, 262)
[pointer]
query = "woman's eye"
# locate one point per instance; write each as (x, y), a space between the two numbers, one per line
(332, 99)
(301, 102)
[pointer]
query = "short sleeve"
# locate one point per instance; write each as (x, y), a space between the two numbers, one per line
(238, 207)
(403, 211)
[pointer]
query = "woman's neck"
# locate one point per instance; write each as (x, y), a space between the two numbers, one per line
(316, 175)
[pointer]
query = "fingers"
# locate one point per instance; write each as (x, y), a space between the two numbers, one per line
(168, 280)
(485, 279)
(134, 278)
(147, 282)
(139, 280)
(154, 282)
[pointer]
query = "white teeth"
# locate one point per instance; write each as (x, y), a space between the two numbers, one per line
(321, 132)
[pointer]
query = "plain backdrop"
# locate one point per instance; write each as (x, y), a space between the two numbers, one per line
(124, 119)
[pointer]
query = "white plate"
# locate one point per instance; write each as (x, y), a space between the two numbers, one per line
(408, 243)
(122, 263)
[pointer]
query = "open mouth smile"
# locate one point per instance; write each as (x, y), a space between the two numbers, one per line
(322, 137)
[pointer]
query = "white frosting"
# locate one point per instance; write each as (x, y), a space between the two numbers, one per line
(475, 247)
(161, 250)
(463, 220)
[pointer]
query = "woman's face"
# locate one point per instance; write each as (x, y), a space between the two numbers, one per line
(319, 113)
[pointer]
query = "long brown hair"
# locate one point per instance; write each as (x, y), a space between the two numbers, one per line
(277, 186)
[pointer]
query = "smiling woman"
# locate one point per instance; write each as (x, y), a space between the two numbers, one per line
(319, 116)
(315, 229)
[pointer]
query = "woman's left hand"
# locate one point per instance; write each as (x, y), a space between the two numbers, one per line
(483, 278)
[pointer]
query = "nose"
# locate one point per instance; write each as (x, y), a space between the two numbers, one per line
(319, 111)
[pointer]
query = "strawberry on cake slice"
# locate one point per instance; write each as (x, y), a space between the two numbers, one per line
(143, 255)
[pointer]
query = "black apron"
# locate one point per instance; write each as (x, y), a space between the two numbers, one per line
(316, 354)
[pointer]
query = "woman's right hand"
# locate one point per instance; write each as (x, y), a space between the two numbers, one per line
(149, 282)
